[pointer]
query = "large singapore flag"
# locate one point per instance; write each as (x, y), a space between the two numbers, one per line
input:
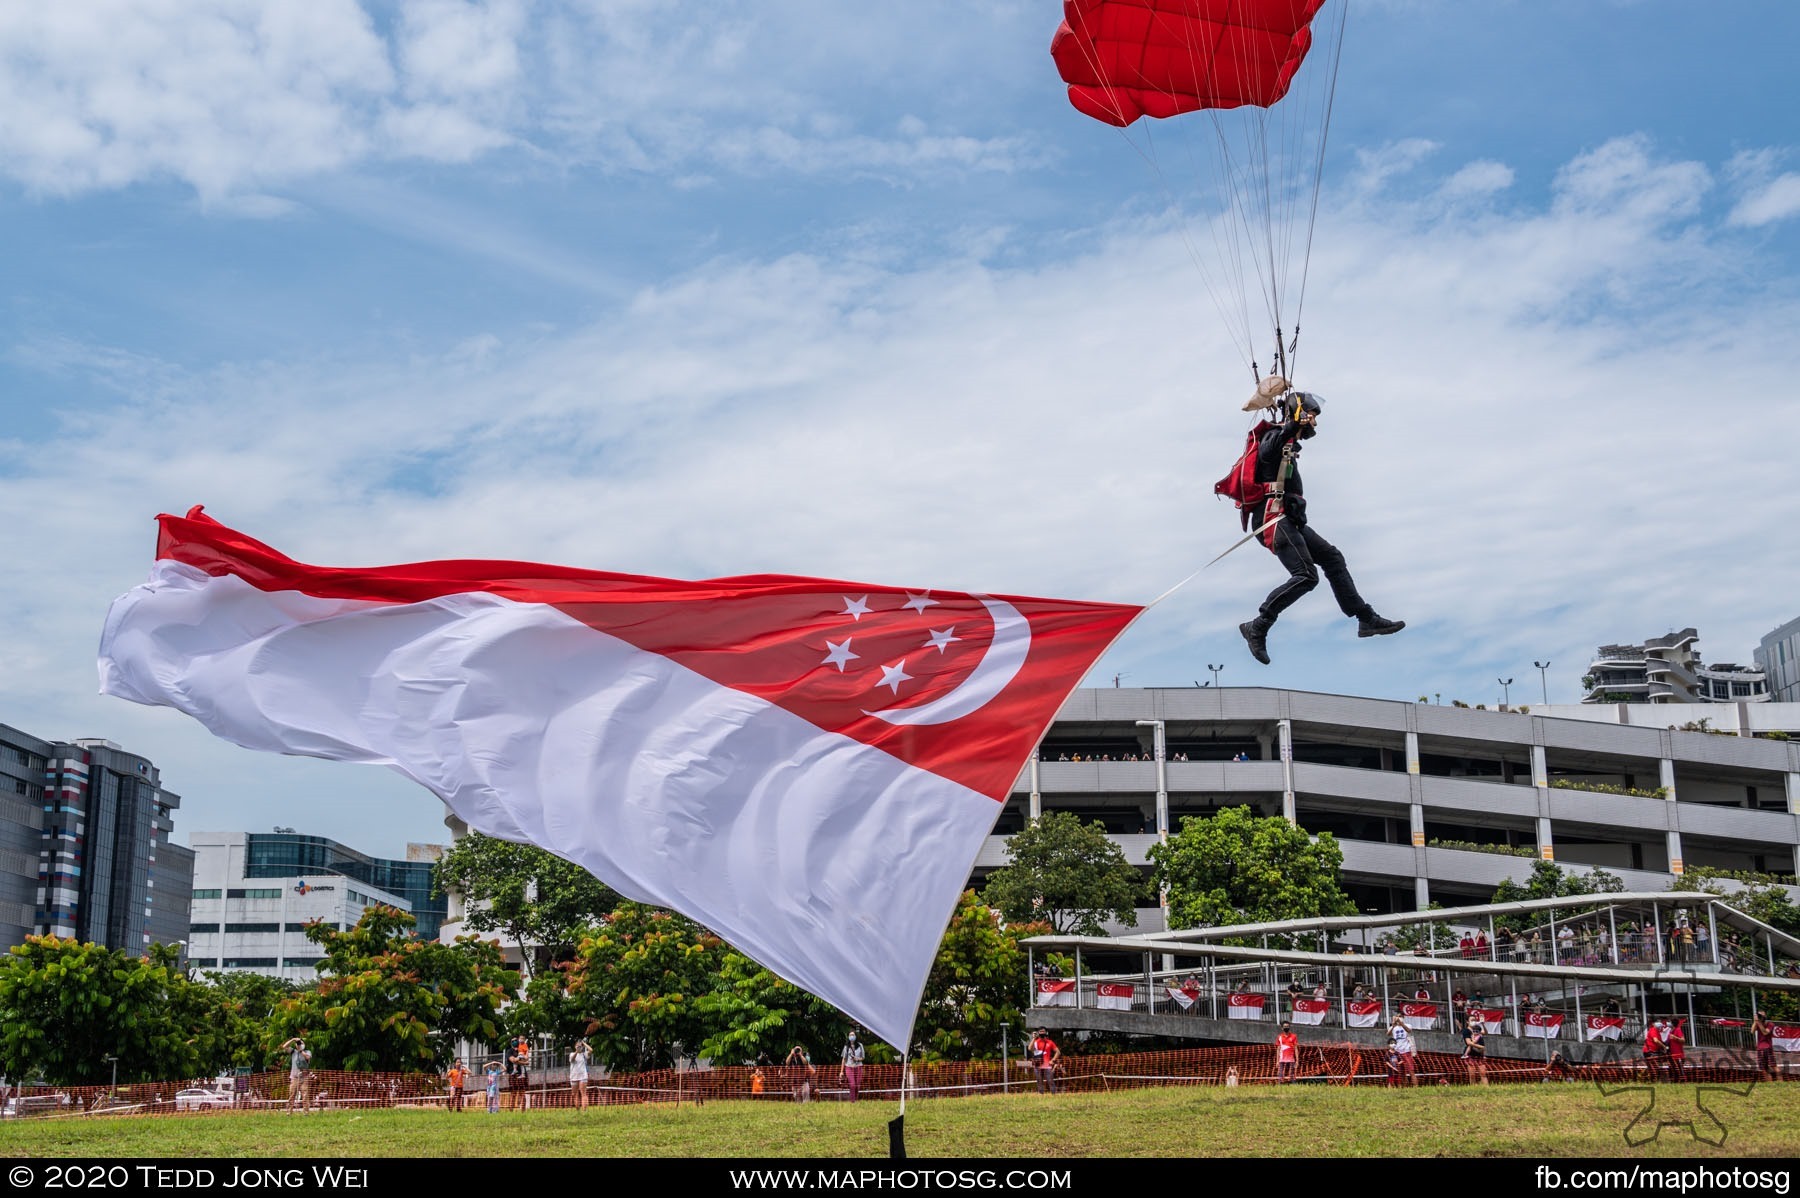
(807, 767)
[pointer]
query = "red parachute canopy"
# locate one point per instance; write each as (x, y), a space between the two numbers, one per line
(1123, 59)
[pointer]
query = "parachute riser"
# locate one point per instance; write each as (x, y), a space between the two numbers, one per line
(1286, 350)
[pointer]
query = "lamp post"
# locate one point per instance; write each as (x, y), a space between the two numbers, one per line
(1160, 747)
(1215, 671)
(1544, 681)
(1505, 691)
(113, 1092)
(1005, 1071)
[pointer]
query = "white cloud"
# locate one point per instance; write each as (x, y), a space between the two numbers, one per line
(230, 98)
(1477, 180)
(451, 48)
(1527, 439)
(1775, 201)
(1516, 472)
(216, 94)
(1622, 176)
(1381, 164)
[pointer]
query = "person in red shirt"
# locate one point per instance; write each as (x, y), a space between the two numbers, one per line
(1763, 1033)
(1653, 1049)
(1045, 1054)
(1675, 1043)
(1287, 1054)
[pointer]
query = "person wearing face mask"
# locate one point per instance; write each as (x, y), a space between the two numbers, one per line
(1271, 499)
(852, 1058)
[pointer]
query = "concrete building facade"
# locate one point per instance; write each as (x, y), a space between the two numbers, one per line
(1778, 656)
(1668, 669)
(255, 893)
(1429, 803)
(85, 845)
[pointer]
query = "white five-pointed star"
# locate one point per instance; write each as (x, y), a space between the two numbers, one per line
(939, 639)
(919, 602)
(840, 653)
(893, 676)
(856, 609)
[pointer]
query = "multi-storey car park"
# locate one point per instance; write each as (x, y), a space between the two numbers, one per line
(1430, 803)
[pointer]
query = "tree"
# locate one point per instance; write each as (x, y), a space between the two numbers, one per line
(545, 1007)
(1237, 867)
(1550, 880)
(66, 1005)
(638, 980)
(977, 982)
(1761, 896)
(538, 900)
(751, 1014)
(1067, 874)
(242, 1005)
(390, 1001)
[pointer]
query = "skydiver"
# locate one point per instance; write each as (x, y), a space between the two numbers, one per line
(1291, 539)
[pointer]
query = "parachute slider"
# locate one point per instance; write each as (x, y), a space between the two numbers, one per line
(1268, 394)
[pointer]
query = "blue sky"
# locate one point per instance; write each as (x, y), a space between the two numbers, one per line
(850, 290)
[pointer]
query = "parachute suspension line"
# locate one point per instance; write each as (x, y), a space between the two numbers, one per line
(1148, 154)
(1337, 55)
(1261, 170)
(1225, 240)
(1237, 323)
(1269, 190)
(1229, 232)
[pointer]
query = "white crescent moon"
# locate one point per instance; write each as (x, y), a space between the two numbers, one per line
(1001, 663)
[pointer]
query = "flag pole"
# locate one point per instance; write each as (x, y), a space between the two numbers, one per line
(1255, 532)
(897, 1125)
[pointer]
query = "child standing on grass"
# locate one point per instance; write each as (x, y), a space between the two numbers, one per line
(493, 1087)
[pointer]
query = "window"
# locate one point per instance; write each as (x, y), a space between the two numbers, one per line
(194, 928)
(252, 927)
(301, 962)
(207, 894)
(254, 894)
(249, 963)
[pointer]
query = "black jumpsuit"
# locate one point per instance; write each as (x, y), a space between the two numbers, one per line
(1304, 552)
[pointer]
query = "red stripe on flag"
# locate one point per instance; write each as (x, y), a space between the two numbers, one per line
(947, 681)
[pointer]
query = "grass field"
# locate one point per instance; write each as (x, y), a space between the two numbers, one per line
(1568, 1120)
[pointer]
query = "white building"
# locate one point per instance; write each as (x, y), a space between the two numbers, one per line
(1668, 669)
(259, 923)
(1429, 803)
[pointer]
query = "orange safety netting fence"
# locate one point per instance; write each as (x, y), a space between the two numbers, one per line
(1340, 1064)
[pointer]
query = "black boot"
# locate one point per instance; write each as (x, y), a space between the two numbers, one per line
(1256, 634)
(1370, 624)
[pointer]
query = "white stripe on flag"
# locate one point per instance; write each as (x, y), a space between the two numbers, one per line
(1111, 996)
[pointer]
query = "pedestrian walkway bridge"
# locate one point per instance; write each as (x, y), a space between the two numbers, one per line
(1580, 975)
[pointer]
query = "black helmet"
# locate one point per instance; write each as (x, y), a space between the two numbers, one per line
(1298, 404)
